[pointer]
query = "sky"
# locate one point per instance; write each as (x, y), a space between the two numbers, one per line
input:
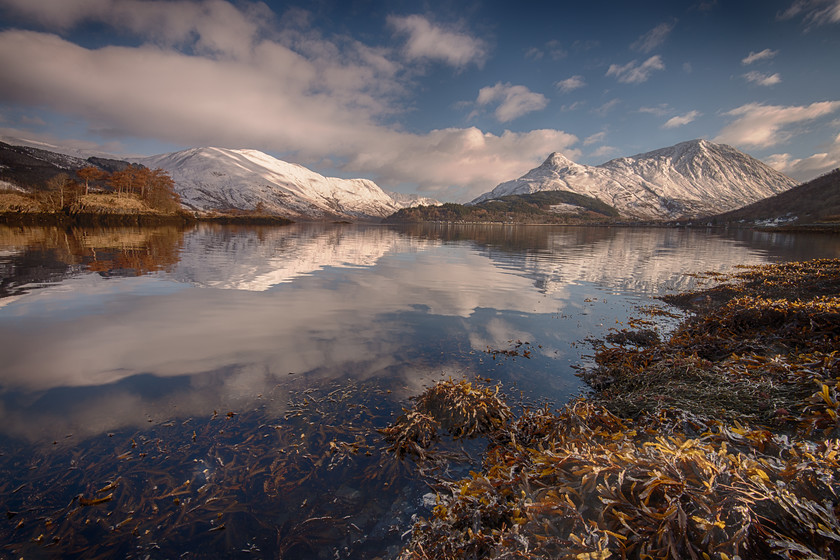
(440, 98)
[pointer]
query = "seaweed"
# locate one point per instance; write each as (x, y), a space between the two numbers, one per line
(718, 442)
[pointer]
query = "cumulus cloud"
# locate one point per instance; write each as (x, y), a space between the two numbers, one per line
(211, 27)
(511, 101)
(570, 84)
(427, 40)
(805, 169)
(814, 12)
(681, 120)
(763, 79)
(604, 151)
(762, 126)
(277, 100)
(756, 56)
(653, 38)
(315, 100)
(635, 73)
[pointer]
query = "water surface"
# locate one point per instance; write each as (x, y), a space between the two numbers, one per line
(224, 384)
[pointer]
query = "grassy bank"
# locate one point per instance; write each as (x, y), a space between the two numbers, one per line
(109, 209)
(719, 442)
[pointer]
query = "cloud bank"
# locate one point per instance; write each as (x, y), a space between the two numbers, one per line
(762, 126)
(803, 169)
(210, 73)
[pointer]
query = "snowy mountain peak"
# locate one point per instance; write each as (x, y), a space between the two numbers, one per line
(690, 179)
(557, 161)
(224, 179)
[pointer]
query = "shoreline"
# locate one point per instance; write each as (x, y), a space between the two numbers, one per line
(115, 219)
(719, 442)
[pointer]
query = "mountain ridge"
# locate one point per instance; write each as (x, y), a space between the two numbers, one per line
(223, 179)
(689, 179)
(816, 201)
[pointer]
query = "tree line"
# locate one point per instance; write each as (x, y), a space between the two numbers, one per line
(153, 186)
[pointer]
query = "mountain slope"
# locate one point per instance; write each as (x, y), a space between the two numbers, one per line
(690, 179)
(543, 207)
(817, 200)
(27, 166)
(224, 179)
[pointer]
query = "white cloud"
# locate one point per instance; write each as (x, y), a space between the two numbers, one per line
(570, 84)
(756, 56)
(814, 12)
(573, 106)
(805, 169)
(323, 100)
(212, 27)
(766, 125)
(595, 138)
(660, 110)
(607, 107)
(427, 40)
(633, 72)
(511, 101)
(681, 120)
(762, 79)
(604, 151)
(653, 38)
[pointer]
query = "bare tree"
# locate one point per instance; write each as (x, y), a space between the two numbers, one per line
(90, 173)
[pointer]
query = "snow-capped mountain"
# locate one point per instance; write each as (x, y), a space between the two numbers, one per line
(225, 179)
(404, 200)
(690, 179)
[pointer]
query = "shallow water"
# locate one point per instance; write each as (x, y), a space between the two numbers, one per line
(222, 386)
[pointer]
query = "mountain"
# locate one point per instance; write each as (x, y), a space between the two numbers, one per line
(817, 200)
(404, 200)
(690, 179)
(27, 166)
(224, 179)
(543, 207)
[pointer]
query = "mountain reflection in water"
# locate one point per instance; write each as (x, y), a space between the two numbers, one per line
(115, 340)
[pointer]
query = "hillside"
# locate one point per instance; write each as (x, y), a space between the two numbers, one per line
(220, 179)
(546, 207)
(28, 167)
(816, 201)
(687, 180)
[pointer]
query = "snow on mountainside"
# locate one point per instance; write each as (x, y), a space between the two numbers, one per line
(690, 179)
(404, 200)
(225, 179)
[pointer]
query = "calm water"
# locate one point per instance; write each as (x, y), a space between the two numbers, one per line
(168, 393)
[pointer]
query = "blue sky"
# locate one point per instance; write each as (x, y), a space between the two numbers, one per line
(441, 98)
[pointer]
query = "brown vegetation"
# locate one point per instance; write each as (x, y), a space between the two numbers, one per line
(814, 202)
(135, 190)
(720, 442)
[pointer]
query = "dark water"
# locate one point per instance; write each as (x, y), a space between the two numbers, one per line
(217, 391)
